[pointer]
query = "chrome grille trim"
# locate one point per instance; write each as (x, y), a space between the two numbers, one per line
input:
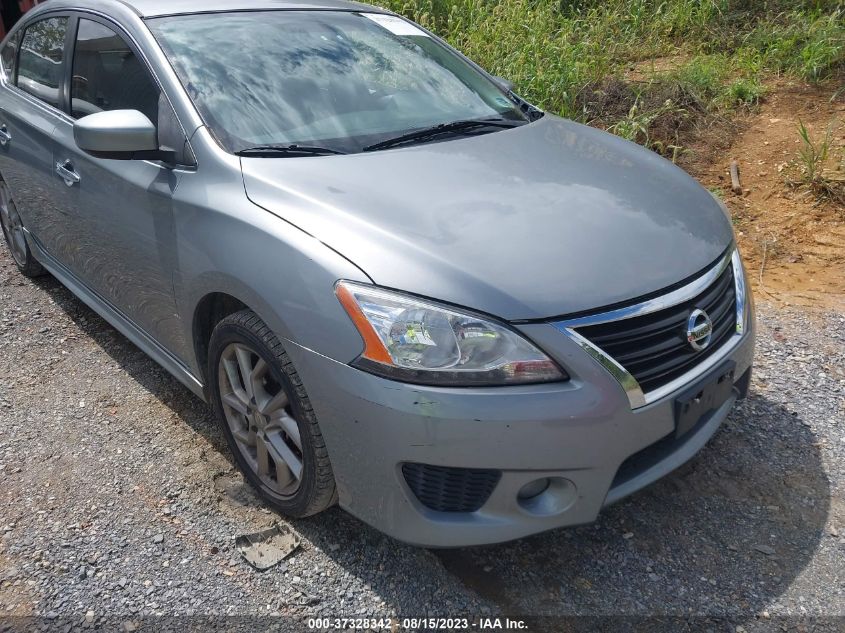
(635, 394)
(739, 278)
(636, 397)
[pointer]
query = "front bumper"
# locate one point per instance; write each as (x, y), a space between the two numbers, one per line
(578, 433)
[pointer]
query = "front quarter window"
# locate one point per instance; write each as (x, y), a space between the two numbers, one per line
(336, 79)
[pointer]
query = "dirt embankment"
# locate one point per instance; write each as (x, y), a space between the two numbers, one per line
(793, 241)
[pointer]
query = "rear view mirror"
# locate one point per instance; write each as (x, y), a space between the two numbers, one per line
(119, 135)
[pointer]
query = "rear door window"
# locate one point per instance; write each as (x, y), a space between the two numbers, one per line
(107, 75)
(41, 57)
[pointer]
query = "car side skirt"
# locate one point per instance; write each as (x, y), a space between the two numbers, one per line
(117, 319)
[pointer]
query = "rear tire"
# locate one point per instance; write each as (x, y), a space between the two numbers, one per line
(13, 231)
(267, 418)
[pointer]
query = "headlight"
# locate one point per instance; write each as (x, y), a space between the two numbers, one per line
(412, 340)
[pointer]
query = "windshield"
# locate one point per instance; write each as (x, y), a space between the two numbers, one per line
(332, 79)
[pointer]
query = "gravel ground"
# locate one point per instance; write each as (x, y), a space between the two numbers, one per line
(118, 500)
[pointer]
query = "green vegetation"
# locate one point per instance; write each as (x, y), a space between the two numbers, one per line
(813, 154)
(647, 69)
(813, 165)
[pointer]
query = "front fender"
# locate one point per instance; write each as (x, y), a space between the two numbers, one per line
(286, 276)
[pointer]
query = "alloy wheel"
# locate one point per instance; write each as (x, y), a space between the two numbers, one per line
(260, 418)
(12, 226)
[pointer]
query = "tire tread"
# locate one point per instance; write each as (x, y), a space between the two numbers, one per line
(324, 491)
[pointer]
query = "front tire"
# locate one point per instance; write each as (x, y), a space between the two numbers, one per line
(13, 231)
(266, 416)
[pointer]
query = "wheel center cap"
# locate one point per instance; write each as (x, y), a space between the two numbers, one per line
(259, 420)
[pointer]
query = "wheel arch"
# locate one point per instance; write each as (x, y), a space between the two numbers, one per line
(295, 317)
(208, 312)
(217, 295)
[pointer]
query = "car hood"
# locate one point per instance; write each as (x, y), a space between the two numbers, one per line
(537, 221)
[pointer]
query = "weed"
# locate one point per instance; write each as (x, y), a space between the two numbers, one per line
(634, 127)
(808, 44)
(703, 76)
(813, 156)
(717, 192)
(824, 48)
(743, 92)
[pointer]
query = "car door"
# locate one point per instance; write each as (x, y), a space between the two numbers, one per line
(33, 59)
(120, 242)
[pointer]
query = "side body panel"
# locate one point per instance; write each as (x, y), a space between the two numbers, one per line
(26, 161)
(119, 235)
(97, 303)
(227, 244)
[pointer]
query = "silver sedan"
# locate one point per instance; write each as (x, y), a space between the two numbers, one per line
(402, 287)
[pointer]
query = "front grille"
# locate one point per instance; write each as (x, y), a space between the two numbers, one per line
(445, 489)
(653, 347)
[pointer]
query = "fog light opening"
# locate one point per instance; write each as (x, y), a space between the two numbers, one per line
(533, 488)
(547, 496)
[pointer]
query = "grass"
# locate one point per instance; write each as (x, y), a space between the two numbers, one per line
(813, 154)
(587, 59)
(812, 165)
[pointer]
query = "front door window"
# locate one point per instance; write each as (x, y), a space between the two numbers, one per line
(40, 60)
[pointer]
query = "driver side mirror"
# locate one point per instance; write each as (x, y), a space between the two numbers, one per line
(119, 135)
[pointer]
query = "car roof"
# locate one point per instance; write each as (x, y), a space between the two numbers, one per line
(157, 8)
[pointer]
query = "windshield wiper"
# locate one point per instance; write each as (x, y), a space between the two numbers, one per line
(287, 150)
(441, 128)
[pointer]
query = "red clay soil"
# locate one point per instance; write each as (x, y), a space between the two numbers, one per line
(792, 239)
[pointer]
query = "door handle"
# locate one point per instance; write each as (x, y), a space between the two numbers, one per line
(65, 170)
(5, 137)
